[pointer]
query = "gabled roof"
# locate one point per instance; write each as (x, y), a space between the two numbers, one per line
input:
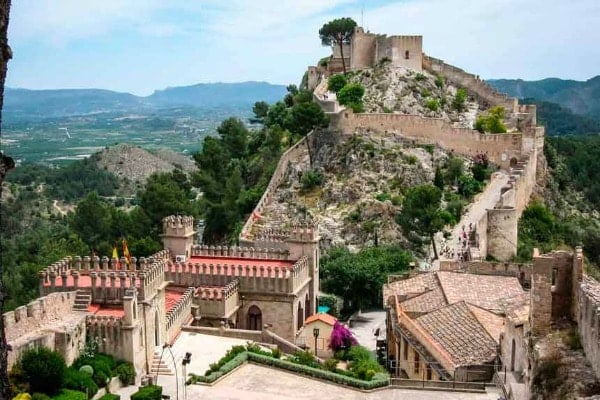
(326, 318)
(456, 330)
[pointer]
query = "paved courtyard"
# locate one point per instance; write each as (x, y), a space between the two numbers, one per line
(365, 325)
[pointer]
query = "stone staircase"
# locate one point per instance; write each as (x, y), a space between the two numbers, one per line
(82, 300)
(165, 365)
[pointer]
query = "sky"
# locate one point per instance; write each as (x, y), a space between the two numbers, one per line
(139, 46)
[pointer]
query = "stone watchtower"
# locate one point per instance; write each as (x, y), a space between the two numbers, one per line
(304, 241)
(178, 235)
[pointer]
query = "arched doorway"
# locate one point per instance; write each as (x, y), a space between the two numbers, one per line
(254, 318)
(513, 162)
(307, 307)
(512, 355)
(300, 316)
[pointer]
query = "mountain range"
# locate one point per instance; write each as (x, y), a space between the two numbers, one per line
(581, 97)
(68, 102)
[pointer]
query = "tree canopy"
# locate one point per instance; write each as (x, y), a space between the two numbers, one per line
(338, 31)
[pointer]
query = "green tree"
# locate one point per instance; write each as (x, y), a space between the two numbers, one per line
(92, 221)
(336, 82)
(455, 169)
(459, 102)
(422, 213)
(234, 137)
(351, 94)
(307, 116)
(260, 110)
(43, 369)
(438, 179)
(492, 122)
(338, 31)
(358, 278)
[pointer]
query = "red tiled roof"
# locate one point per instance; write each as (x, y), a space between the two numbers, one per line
(171, 298)
(326, 318)
(100, 311)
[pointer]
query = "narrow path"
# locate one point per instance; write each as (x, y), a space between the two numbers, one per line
(476, 210)
(60, 210)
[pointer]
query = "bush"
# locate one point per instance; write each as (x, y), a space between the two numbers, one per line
(81, 381)
(276, 353)
(420, 77)
(439, 81)
(336, 82)
(304, 358)
(383, 196)
(352, 93)
(455, 207)
(40, 396)
(492, 122)
(433, 105)
(363, 364)
(468, 186)
(459, 102)
(357, 107)
(43, 369)
(66, 394)
(330, 365)
(126, 373)
(150, 392)
(227, 367)
(230, 355)
(110, 396)
(311, 179)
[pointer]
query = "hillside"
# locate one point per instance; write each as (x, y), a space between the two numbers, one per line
(134, 165)
(559, 120)
(404, 91)
(21, 103)
(581, 97)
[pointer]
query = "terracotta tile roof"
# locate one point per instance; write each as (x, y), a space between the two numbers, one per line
(516, 308)
(493, 323)
(484, 291)
(427, 302)
(99, 310)
(326, 318)
(456, 329)
(411, 287)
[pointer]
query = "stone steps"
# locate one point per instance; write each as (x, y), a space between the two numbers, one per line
(165, 365)
(83, 299)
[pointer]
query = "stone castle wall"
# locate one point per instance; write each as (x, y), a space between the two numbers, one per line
(500, 148)
(518, 270)
(588, 320)
(179, 314)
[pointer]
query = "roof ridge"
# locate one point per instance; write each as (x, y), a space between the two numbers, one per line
(477, 319)
(439, 282)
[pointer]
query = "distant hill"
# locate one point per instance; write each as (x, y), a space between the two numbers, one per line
(218, 94)
(559, 120)
(581, 97)
(23, 103)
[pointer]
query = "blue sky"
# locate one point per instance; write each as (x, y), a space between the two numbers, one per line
(138, 46)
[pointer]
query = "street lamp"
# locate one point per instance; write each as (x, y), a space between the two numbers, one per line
(186, 360)
(316, 335)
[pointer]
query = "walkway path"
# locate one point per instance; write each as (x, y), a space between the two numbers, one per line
(365, 325)
(477, 209)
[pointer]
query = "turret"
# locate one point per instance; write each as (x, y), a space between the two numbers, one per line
(178, 235)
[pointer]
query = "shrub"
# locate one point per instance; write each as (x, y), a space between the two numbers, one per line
(468, 186)
(330, 364)
(352, 93)
(455, 169)
(439, 81)
(227, 367)
(66, 394)
(363, 364)
(459, 102)
(40, 396)
(455, 207)
(102, 364)
(304, 358)
(44, 369)
(425, 92)
(397, 200)
(411, 159)
(87, 369)
(311, 179)
(336, 82)
(230, 355)
(110, 396)
(150, 392)
(433, 105)
(341, 338)
(276, 353)
(126, 373)
(81, 381)
(383, 196)
(492, 122)
(357, 107)
(420, 77)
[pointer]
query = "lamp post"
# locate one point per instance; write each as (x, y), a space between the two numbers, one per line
(168, 346)
(186, 361)
(316, 335)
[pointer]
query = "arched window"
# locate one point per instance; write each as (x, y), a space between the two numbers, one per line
(254, 319)
(300, 316)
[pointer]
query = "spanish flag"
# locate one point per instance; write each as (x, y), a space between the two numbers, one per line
(115, 254)
(126, 252)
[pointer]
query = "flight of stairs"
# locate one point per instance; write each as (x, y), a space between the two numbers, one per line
(82, 300)
(165, 365)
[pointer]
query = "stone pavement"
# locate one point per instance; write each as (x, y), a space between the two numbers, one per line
(364, 326)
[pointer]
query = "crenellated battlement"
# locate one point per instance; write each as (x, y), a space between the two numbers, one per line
(240, 252)
(178, 222)
(218, 302)
(179, 313)
(107, 332)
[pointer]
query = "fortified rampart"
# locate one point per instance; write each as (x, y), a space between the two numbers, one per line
(521, 271)
(588, 320)
(251, 277)
(218, 302)
(179, 314)
(47, 321)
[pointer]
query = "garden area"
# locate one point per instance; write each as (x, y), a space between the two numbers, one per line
(42, 374)
(352, 365)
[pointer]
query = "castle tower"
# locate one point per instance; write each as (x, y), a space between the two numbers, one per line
(304, 241)
(178, 235)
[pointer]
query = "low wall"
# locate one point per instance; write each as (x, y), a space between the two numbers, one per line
(518, 270)
(240, 252)
(589, 321)
(500, 148)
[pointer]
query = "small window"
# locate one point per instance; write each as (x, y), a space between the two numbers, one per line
(417, 363)
(405, 346)
(407, 54)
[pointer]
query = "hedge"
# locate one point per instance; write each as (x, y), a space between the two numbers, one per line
(110, 396)
(66, 394)
(379, 380)
(225, 369)
(150, 392)
(319, 373)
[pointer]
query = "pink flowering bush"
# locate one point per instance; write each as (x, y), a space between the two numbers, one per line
(341, 338)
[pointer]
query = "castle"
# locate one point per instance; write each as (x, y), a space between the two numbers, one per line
(130, 310)
(273, 279)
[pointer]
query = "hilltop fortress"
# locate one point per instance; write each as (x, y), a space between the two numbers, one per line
(266, 289)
